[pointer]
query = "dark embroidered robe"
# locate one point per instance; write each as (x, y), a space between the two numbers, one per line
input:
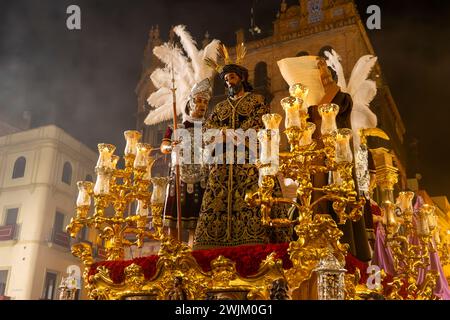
(225, 218)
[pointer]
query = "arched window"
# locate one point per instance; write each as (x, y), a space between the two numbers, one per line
(260, 74)
(89, 178)
(67, 173)
(302, 53)
(19, 168)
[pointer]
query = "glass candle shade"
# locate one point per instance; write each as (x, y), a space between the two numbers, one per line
(264, 146)
(272, 121)
(148, 170)
(437, 238)
(389, 216)
(132, 137)
(141, 209)
(404, 201)
(159, 190)
(430, 213)
(292, 106)
(102, 183)
(306, 138)
(328, 112)
(84, 190)
(114, 160)
(336, 176)
(105, 151)
(298, 90)
(422, 226)
(142, 155)
(343, 149)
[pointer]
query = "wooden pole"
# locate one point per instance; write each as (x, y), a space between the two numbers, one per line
(177, 167)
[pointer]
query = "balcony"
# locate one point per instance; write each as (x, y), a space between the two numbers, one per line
(8, 232)
(61, 238)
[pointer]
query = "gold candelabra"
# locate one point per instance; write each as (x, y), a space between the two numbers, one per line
(318, 234)
(409, 237)
(113, 192)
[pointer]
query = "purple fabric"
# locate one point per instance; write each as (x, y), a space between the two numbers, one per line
(442, 290)
(382, 256)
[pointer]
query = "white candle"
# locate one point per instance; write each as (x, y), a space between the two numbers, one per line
(390, 218)
(102, 183)
(269, 142)
(292, 106)
(437, 238)
(141, 209)
(84, 189)
(404, 201)
(105, 151)
(298, 90)
(306, 138)
(159, 190)
(142, 155)
(328, 112)
(148, 171)
(422, 226)
(337, 178)
(430, 214)
(264, 146)
(272, 121)
(114, 160)
(132, 137)
(343, 150)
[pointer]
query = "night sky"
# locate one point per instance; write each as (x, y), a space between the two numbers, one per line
(84, 81)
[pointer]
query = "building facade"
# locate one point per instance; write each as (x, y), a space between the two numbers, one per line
(39, 169)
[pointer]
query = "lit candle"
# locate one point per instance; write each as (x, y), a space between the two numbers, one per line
(343, 150)
(336, 178)
(437, 238)
(306, 138)
(132, 137)
(390, 218)
(328, 112)
(148, 170)
(298, 90)
(422, 227)
(141, 208)
(430, 212)
(105, 151)
(264, 147)
(404, 201)
(292, 106)
(159, 190)
(114, 160)
(142, 155)
(272, 121)
(84, 190)
(102, 183)
(269, 142)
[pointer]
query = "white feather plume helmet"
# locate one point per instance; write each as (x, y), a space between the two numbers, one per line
(187, 70)
(361, 89)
